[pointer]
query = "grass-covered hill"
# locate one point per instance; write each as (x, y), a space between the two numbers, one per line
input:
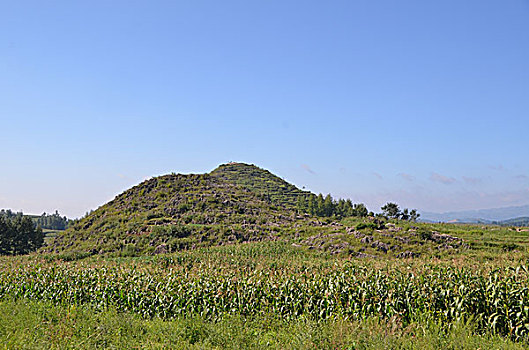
(338, 281)
(262, 182)
(234, 203)
(238, 203)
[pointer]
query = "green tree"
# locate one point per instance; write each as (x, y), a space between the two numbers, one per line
(18, 235)
(391, 210)
(52, 221)
(302, 204)
(311, 206)
(348, 208)
(328, 206)
(319, 205)
(5, 235)
(360, 210)
(414, 215)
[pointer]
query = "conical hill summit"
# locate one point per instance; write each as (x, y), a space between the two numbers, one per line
(234, 203)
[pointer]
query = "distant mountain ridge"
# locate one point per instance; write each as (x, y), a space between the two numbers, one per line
(521, 221)
(493, 215)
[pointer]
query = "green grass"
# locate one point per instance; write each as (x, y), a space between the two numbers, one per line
(272, 294)
(49, 235)
(246, 271)
(274, 278)
(38, 325)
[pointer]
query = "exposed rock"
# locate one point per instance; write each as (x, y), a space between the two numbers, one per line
(364, 255)
(161, 249)
(359, 234)
(367, 239)
(338, 248)
(404, 240)
(380, 246)
(407, 255)
(442, 237)
(334, 234)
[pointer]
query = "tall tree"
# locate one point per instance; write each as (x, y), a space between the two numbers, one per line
(319, 205)
(360, 210)
(391, 210)
(328, 206)
(414, 215)
(18, 235)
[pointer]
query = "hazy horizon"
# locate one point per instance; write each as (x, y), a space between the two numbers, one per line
(423, 104)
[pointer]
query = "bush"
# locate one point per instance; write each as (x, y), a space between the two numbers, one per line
(368, 225)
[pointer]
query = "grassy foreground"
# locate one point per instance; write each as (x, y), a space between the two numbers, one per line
(273, 295)
(41, 325)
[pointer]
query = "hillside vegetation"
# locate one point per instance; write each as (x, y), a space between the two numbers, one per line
(233, 259)
(261, 182)
(239, 203)
(234, 203)
(307, 297)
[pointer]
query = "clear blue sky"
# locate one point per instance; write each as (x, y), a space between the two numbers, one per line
(421, 102)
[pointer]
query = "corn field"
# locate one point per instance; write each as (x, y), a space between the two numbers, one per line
(496, 301)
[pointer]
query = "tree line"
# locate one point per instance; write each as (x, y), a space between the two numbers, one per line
(392, 210)
(317, 205)
(52, 221)
(327, 206)
(46, 221)
(18, 234)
